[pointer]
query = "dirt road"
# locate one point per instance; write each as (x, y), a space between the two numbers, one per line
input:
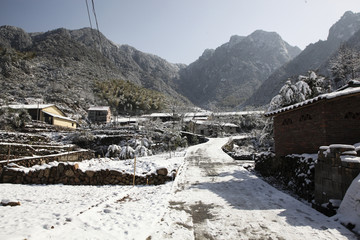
(214, 197)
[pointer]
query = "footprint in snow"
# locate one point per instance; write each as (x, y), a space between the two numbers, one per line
(106, 210)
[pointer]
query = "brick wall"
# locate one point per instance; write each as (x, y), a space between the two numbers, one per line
(299, 131)
(342, 118)
(305, 129)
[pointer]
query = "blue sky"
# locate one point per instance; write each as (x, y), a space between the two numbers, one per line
(180, 30)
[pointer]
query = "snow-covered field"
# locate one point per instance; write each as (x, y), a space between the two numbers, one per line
(88, 212)
(213, 197)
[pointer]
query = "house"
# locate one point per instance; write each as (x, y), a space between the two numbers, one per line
(321, 121)
(48, 113)
(163, 117)
(210, 128)
(99, 114)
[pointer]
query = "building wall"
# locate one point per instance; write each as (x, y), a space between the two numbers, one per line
(54, 110)
(299, 131)
(343, 120)
(35, 114)
(99, 116)
(63, 123)
(305, 129)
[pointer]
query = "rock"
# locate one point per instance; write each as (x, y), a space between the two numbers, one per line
(12, 204)
(60, 168)
(47, 172)
(69, 173)
(41, 173)
(89, 173)
(76, 166)
(162, 171)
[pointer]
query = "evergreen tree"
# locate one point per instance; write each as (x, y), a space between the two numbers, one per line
(345, 65)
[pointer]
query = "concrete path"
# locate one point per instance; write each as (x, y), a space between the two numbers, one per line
(214, 197)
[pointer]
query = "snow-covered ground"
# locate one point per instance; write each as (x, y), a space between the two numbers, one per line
(144, 165)
(88, 212)
(216, 198)
(213, 197)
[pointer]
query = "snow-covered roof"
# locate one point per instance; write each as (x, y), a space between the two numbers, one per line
(197, 114)
(230, 125)
(351, 88)
(238, 113)
(209, 123)
(98, 108)
(154, 115)
(61, 117)
(126, 119)
(30, 106)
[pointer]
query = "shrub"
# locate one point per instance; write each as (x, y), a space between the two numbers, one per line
(13, 118)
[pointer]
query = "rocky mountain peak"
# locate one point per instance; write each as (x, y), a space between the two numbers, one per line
(235, 39)
(207, 54)
(226, 76)
(315, 56)
(346, 27)
(14, 37)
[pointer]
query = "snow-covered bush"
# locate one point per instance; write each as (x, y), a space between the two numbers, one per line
(130, 149)
(13, 118)
(113, 151)
(303, 88)
(82, 139)
(142, 151)
(294, 172)
(127, 152)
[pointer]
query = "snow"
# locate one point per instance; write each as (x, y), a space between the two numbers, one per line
(99, 108)
(345, 146)
(51, 155)
(213, 197)
(218, 199)
(349, 210)
(144, 165)
(81, 212)
(326, 96)
(30, 106)
(350, 158)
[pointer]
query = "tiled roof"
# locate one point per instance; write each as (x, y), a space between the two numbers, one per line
(352, 88)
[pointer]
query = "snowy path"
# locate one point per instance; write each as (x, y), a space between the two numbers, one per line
(215, 198)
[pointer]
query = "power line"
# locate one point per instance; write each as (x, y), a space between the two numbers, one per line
(98, 31)
(87, 7)
(96, 21)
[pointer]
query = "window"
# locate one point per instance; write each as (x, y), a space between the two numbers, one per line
(352, 115)
(287, 121)
(305, 117)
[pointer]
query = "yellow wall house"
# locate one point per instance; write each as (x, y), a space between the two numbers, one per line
(48, 113)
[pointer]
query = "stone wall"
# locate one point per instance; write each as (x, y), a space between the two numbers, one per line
(70, 174)
(15, 150)
(74, 156)
(337, 166)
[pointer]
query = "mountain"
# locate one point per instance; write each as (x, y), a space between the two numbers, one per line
(314, 57)
(228, 75)
(63, 66)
